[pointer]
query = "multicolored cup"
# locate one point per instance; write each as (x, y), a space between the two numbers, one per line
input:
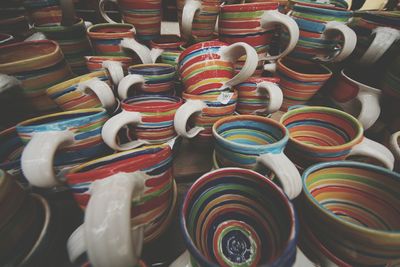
(37, 65)
(208, 67)
(47, 12)
(167, 48)
(157, 78)
(255, 142)
(352, 209)
(234, 216)
(300, 82)
(151, 118)
(112, 63)
(76, 134)
(322, 134)
(117, 40)
(144, 14)
(259, 95)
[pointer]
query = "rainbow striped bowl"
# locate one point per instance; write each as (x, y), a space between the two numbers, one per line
(354, 210)
(237, 217)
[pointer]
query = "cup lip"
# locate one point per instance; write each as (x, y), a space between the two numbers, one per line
(370, 88)
(322, 76)
(200, 45)
(359, 228)
(57, 28)
(330, 10)
(257, 6)
(164, 65)
(176, 102)
(5, 37)
(261, 79)
(99, 59)
(280, 143)
(292, 239)
(357, 139)
(155, 44)
(129, 33)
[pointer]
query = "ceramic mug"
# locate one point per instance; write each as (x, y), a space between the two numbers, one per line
(151, 117)
(145, 15)
(351, 208)
(167, 48)
(91, 90)
(320, 134)
(319, 28)
(209, 66)
(234, 216)
(157, 78)
(96, 63)
(76, 134)
(255, 142)
(35, 66)
(300, 82)
(116, 40)
(351, 87)
(49, 12)
(259, 95)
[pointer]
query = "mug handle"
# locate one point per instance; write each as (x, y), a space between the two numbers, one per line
(155, 53)
(349, 40)
(108, 233)
(126, 83)
(101, 89)
(115, 124)
(115, 69)
(374, 150)
(384, 38)
(188, 13)
(38, 156)
(182, 115)
(285, 171)
(103, 12)
(141, 50)
(275, 96)
(394, 145)
(370, 109)
(232, 53)
(274, 17)
(7, 82)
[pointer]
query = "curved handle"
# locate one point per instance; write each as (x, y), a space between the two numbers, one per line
(126, 83)
(76, 244)
(349, 40)
(107, 228)
(7, 82)
(374, 150)
(115, 124)
(232, 53)
(273, 18)
(38, 157)
(285, 171)
(182, 115)
(141, 50)
(275, 96)
(384, 38)
(155, 53)
(101, 89)
(370, 109)
(188, 13)
(103, 12)
(115, 69)
(394, 145)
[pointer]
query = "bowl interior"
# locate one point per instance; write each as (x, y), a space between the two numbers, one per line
(26, 51)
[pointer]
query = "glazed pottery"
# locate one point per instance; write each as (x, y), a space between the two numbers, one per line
(259, 96)
(144, 14)
(150, 116)
(255, 142)
(352, 209)
(76, 134)
(48, 12)
(87, 91)
(322, 134)
(157, 78)
(37, 65)
(300, 82)
(112, 63)
(167, 49)
(117, 40)
(237, 217)
(209, 66)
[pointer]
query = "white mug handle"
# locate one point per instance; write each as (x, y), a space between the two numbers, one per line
(7, 82)
(383, 40)
(370, 108)
(274, 17)
(374, 150)
(155, 53)
(108, 234)
(394, 145)
(103, 12)
(76, 244)
(38, 157)
(141, 50)
(126, 83)
(349, 40)
(115, 124)
(101, 89)
(285, 171)
(188, 13)
(182, 115)
(275, 96)
(232, 53)
(115, 69)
